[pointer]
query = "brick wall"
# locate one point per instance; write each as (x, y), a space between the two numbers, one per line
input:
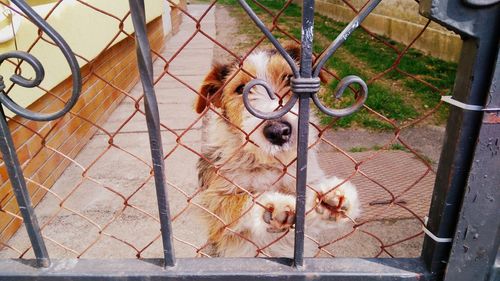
(36, 142)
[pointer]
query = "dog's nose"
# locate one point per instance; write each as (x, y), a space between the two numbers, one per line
(278, 132)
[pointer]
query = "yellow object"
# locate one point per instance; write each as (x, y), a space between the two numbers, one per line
(87, 30)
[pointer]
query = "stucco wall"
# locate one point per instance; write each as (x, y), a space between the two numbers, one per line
(87, 31)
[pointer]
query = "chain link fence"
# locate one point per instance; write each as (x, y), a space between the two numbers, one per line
(90, 174)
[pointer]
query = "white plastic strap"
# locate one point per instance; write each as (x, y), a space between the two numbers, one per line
(450, 100)
(432, 236)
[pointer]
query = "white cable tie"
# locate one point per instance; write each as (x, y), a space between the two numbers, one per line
(432, 236)
(450, 100)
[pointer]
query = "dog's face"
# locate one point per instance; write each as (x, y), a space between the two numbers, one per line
(223, 87)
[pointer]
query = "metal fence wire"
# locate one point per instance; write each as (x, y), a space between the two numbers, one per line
(98, 193)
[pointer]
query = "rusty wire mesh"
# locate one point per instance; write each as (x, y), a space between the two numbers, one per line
(104, 205)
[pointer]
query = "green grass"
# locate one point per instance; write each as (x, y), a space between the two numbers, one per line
(397, 97)
(358, 149)
(394, 146)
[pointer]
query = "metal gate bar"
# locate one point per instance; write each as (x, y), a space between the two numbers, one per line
(305, 86)
(21, 192)
(6, 144)
(153, 122)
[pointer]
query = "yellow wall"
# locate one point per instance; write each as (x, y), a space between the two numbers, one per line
(86, 30)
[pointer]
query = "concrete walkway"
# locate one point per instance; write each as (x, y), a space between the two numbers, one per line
(93, 202)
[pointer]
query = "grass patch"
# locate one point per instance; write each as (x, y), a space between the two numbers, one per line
(396, 96)
(394, 146)
(358, 149)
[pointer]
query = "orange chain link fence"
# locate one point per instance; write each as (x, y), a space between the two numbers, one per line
(90, 176)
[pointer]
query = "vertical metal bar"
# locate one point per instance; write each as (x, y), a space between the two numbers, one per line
(477, 236)
(21, 192)
(303, 130)
(6, 144)
(305, 84)
(153, 122)
(480, 32)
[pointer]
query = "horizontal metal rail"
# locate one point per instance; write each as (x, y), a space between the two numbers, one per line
(341, 269)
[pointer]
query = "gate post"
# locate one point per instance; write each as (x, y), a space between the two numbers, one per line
(476, 239)
(479, 26)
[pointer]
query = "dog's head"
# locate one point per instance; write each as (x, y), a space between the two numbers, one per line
(223, 87)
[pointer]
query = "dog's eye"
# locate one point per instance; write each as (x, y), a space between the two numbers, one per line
(286, 77)
(239, 89)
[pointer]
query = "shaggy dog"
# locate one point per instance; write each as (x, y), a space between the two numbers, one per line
(247, 172)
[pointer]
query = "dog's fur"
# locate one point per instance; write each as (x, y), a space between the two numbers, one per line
(248, 183)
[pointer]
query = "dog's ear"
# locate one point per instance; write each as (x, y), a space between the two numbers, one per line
(210, 88)
(293, 49)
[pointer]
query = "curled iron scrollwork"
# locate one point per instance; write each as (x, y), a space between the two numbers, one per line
(309, 86)
(7, 146)
(39, 71)
(265, 115)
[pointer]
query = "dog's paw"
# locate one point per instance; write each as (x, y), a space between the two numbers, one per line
(280, 217)
(340, 204)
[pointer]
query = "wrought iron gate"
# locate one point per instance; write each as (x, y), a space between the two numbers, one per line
(465, 199)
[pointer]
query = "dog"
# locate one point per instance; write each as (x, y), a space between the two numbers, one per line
(247, 172)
